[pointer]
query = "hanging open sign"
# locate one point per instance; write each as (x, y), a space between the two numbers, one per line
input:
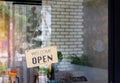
(36, 57)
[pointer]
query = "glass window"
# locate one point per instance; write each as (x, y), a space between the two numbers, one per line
(79, 29)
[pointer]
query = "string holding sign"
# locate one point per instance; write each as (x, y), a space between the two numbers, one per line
(39, 56)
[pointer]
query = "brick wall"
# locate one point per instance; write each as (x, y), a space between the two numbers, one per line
(67, 27)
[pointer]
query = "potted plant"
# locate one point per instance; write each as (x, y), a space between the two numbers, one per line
(82, 60)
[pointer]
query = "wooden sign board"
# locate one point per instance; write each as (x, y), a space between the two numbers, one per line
(37, 57)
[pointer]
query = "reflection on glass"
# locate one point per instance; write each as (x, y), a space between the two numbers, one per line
(4, 23)
(79, 31)
(31, 30)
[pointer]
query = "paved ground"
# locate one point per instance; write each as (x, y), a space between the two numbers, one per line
(92, 73)
(92, 82)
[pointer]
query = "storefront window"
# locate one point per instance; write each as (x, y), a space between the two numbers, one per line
(79, 29)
